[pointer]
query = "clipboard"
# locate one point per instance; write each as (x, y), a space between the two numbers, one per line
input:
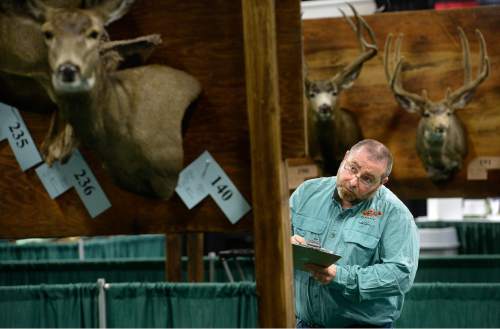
(306, 254)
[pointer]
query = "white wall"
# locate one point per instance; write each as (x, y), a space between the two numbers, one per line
(329, 8)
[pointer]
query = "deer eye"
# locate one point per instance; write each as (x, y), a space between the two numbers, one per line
(93, 35)
(48, 35)
(426, 114)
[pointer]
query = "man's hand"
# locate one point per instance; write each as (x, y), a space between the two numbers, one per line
(297, 239)
(323, 275)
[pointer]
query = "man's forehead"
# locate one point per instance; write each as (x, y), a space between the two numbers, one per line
(367, 162)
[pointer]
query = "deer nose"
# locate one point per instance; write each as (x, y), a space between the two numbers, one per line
(324, 109)
(68, 72)
(440, 130)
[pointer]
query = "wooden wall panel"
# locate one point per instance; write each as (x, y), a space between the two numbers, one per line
(432, 46)
(206, 40)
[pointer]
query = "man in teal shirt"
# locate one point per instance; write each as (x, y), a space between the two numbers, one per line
(358, 218)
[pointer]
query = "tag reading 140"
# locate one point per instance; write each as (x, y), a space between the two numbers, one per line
(205, 177)
(222, 190)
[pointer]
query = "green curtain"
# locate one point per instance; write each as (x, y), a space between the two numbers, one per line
(133, 246)
(457, 305)
(112, 270)
(118, 246)
(474, 237)
(181, 305)
(71, 271)
(460, 268)
(49, 306)
(46, 250)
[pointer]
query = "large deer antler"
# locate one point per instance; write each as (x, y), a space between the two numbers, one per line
(348, 74)
(409, 101)
(460, 97)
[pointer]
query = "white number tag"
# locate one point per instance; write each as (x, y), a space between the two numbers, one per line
(20, 141)
(205, 177)
(78, 173)
(53, 179)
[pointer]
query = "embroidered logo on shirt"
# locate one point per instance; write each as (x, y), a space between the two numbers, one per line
(371, 213)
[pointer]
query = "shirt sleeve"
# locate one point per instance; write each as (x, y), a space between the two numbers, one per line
(294, 202)
(395, 272)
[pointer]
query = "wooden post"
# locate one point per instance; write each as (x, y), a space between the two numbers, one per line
(273, 263)
(173, 264)
(195, 257)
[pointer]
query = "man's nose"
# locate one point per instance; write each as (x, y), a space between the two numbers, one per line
(354, 180)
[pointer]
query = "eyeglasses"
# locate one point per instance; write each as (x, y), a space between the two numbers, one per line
(365, 179)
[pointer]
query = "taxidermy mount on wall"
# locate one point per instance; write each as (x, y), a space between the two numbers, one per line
(332, 130)
(25, 71)
(23, 57)
(441, 139)
(130, 118)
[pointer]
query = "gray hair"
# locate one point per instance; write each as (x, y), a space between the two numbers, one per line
(377, 151)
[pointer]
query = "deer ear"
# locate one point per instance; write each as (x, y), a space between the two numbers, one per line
(307, 83)
(112, 10)
(111, 59)
(460, 102)
(409, 104)
(132, 51)
(347, 81)
(37, 10)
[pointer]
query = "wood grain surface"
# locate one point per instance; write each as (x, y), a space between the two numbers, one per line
(206, 40)
(431, 46)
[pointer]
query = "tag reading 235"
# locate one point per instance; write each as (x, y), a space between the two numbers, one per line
(20, 140)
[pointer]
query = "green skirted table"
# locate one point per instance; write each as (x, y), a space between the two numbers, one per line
(456, 268)
(475, 237)
(451, 305)
(112, 270)
(160, 305)
(130, 305)
(459, 268)
(118, 246)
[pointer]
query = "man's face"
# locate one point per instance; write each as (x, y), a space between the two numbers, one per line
(359, 176)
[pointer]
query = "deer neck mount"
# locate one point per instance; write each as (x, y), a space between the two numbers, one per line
(332, 130)
(130, 118)
(441, 139)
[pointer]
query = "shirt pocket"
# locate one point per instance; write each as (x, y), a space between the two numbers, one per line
(360, 247)
(308, 227)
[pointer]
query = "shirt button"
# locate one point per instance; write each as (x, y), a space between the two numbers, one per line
(332, 234)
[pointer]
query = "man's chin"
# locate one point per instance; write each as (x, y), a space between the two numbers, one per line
(346, 195)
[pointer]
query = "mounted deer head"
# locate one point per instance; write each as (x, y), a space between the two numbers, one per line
(130, 118)
(24, 66)
(441, 140)
(333, 130)
(73, 39)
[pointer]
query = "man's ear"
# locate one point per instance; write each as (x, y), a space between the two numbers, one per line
(384, 180)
